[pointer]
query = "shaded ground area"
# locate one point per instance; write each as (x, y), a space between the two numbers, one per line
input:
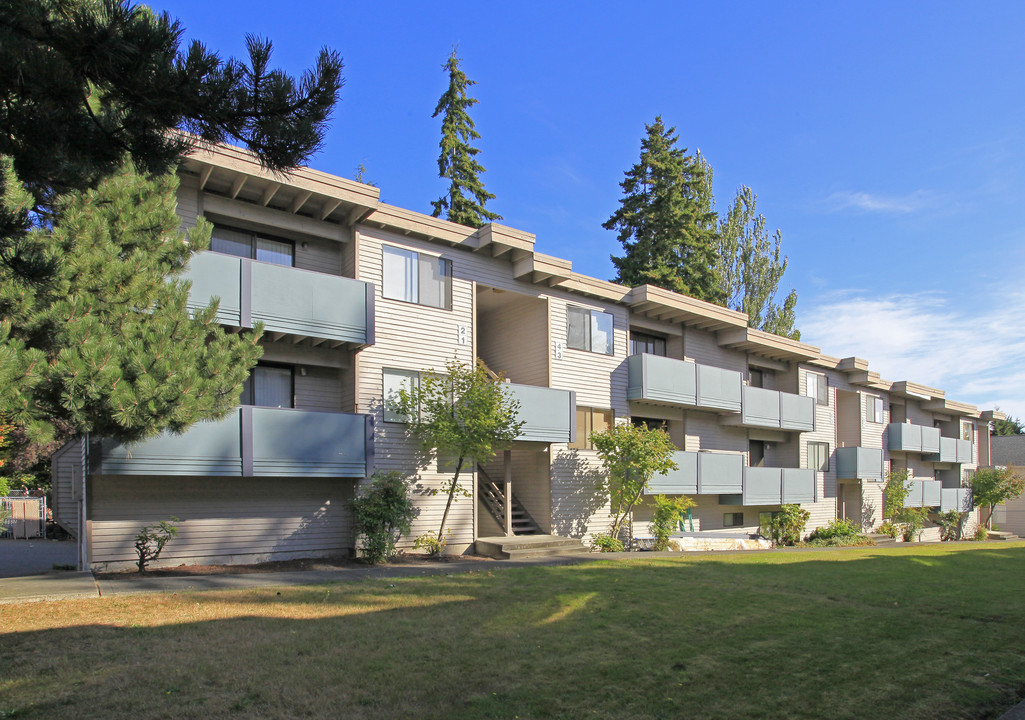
(907, 632)
(34, 557)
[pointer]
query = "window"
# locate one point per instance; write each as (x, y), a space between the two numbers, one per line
(756, 448)
(650, 423)
(270, 386)
(645, 343)
(395, 380)
(417, 278)
(589, 330)
(757, 379)
(818, 388)
(818, 456)
(590, 420)
(874, 409)
(733, 519)
(241, 243)
(966, 431)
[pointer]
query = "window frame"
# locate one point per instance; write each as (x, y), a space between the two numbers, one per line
(446, 273)
(736, 515)
(589, 339)
(874, 409)
(583, 441)
(649, 339)
(820, 385)
(249, 390)
(389, 415)
(826, 457)
(253, 237)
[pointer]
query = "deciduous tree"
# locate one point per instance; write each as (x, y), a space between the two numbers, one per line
(466, 197)
(994, 485)
(664, 221)
(461, 413)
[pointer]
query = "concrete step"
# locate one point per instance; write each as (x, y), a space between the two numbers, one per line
(880, 539)
(1001, 535)
(524, 546)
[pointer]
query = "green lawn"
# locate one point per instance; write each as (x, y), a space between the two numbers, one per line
(919, 632)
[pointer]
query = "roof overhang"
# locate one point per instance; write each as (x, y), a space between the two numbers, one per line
(759, 342)
(667, 306)
(952, 408)
(908, 389)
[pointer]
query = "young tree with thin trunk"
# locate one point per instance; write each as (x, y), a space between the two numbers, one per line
(994, 485)
(632, 455)
(461, 413)
(665, 224)
(466, 197)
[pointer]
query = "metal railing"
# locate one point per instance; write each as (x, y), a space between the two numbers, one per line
(23, 517)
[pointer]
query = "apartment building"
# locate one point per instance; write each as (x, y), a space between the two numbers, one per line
(357, 298)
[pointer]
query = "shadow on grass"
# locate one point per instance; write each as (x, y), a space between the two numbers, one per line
(914, 633)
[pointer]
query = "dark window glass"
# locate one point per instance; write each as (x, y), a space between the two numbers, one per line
(270, 386)
(644, 343)
(241, 243)
(589, 330)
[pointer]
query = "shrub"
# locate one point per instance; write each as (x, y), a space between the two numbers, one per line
(606, 543)
(889, 528)
(912, 520)
(788, 524)
(666, 516)
(839, 528)
(381, 513)
(5, 488)
(839, 541)
(981, 533)
(430, 543)
(951, 524)
(151, 540)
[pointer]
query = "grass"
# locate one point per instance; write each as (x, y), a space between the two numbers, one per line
(911, 632)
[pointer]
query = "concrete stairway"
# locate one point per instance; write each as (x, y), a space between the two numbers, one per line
(520, 547)
(1001, 535)
(880, 539)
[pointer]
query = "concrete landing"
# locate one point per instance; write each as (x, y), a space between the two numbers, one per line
(519, 547)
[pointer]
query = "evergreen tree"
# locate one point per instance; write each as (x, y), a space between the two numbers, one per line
(466, 197)
(667, 230)
(752, 267)
(88, 84)
(102, 341)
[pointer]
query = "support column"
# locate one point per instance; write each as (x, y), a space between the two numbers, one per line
(507, 458)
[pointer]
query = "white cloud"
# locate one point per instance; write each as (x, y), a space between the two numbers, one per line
(976, 356)
(869, 202)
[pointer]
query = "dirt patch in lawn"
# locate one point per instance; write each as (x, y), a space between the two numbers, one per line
(330, 563)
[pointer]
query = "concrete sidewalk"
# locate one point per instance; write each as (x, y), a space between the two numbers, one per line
(51, 586)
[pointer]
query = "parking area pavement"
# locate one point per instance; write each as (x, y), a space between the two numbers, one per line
(19, 558)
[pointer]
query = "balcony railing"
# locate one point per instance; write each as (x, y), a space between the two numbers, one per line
(549, 415)
(251, 442)
(959, 499)
(952, 450)
(763, 408)
(681, 383)
(907, 437)
(285, 299)
(923, 494)
(859, 463)
(706, 473)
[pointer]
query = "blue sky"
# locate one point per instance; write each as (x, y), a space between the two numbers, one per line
(885, 140)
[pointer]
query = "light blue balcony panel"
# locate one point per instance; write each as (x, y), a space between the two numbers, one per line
(859, 463)
(923, 494)
(963, 451)
(761, 407)
(959, 499)
(719, 389)
(658, 379)
(549, 414)
(763, 486)
(930, 439)
(720, 473)
(799, 485)
(308, 444)
(796, 412)
(300, 302)
(905, 437)
(947, 452)
(215, 275)
(205, 449)
(681, 481)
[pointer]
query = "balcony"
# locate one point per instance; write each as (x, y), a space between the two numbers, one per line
(859, 463)
(681, 383)
(549, 415)
(959, 499)
(906, 437)
(288, 301)
(952, 450)
(777, 486)
(250, 442)
(705, 473)
(701, 473)
(923, 494)
(772, 409)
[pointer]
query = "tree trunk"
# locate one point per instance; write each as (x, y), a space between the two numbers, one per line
(451, 495)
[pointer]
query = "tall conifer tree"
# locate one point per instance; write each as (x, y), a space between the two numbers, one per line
(466, 197)
(666, 228)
